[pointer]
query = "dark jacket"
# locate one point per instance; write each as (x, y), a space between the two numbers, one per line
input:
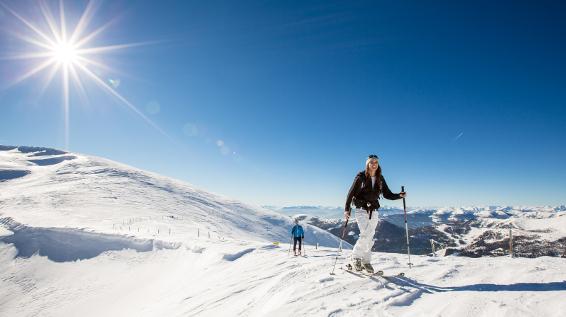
(364, 196)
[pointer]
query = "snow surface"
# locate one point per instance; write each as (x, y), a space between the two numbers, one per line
(85, 236)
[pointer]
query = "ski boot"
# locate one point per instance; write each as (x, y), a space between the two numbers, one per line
(357, 265)
(368, 268)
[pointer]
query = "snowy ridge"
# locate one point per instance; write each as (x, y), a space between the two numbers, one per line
(96, 194)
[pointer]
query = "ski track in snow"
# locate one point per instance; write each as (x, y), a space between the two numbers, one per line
(83, 236)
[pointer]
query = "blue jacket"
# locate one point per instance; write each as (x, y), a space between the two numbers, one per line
(298, 232)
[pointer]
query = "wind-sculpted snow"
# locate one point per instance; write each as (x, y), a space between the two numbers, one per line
(63, 245)
(237, 255)
(53, 160)
(12, 174)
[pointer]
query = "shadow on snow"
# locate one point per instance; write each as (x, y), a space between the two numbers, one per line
(485, 287)
(64, 245)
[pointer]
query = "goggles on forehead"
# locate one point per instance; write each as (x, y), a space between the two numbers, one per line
(373, 156)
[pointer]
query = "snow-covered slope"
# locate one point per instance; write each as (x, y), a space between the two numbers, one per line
(204, 278)
(83, 236)
(48, 188)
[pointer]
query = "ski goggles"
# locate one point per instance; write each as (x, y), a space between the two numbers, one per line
(373, 156)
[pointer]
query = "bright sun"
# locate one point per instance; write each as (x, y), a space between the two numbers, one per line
(67, 52)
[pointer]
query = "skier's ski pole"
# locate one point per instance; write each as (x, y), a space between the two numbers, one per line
(290, 242)
(340, 247)
(406, 228)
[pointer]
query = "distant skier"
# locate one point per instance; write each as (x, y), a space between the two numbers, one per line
(298, 235)
(364, 193)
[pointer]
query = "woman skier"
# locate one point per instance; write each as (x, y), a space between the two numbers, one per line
(364, 193)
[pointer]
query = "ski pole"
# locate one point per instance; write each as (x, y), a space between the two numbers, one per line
(290, 242)
(340, 247)
(406, 228)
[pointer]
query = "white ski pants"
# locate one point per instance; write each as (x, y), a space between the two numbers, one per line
(362, 248)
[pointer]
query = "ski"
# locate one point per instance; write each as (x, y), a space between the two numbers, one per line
(355, 273)
(348, 268)
(365, 274)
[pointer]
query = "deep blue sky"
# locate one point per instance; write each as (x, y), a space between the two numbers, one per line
(464, 101)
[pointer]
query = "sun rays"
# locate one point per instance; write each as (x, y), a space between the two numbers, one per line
(68, 53)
